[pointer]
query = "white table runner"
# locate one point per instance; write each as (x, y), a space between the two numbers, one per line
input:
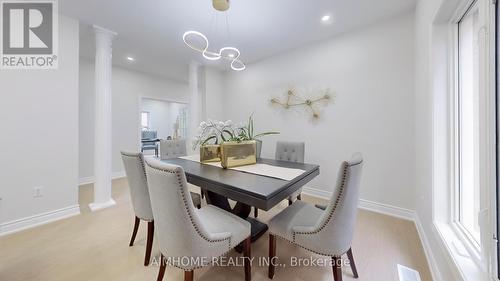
(258, 169)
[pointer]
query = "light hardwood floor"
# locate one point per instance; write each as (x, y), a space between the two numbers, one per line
(94, 246)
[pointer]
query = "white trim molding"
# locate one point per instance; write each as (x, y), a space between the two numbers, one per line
(98, 206)
(37, 220)
(317, 192)
(89, 180)
(364, 204)
(431, 260)
(385, 209)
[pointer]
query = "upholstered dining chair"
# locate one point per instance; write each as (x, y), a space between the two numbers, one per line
(292, 152)
(149, 141)
(190, 238)
(326, 232)
(139, 195)
(172, 148)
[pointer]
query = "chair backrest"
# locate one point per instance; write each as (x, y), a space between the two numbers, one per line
(339, 218)
(136, 176)
(172, 148)
(178, 228)
(290, 151)
(147, 134)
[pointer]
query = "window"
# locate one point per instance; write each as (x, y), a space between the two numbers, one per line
(145, 120)
(468, 127)
(464, 211)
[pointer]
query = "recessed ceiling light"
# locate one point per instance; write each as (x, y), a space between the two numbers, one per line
(325, 18)
(130, 59)
(231, 55)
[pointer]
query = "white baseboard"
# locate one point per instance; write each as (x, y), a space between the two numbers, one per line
(89, 180)
(367, 205)
(393, 211)
(36, 220)
(317, 192)
(431, 260)
(385, 209)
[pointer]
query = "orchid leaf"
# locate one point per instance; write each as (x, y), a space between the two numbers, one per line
(266, 134)
(209, 139)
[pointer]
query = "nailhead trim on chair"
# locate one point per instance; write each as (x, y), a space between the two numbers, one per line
(179, 180)
(335, 205)
(316, 252)
(330, 215)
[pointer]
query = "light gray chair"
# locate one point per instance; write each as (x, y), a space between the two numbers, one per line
(326, 232)
(139, 195)
(172, 148)
(292, 152)
(189, 238)
(149, 139)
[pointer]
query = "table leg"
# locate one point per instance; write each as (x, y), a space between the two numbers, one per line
(241, 210)
(218, 200)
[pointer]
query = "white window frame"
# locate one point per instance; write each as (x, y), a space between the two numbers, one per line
(471, 243)
(483, 255)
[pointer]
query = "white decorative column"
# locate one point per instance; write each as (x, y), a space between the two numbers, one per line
(102, 121)
(196, 97)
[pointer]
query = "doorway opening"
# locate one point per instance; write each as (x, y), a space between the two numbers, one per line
(161, 120)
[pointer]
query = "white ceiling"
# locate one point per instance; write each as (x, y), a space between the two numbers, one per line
(151, 30)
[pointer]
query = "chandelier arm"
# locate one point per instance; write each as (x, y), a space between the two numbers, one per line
(233, 55)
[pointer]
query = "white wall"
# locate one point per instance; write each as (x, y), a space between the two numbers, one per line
(214, 94)
(39, 141)
(128, 88)
(371, 71)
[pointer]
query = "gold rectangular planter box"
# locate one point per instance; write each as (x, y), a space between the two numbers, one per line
(234, 154)
(209, 153)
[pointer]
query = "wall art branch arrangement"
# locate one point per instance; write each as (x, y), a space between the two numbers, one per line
(311, 104)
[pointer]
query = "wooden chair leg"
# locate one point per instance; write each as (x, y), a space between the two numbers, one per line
(149, 243)
(272, 254)
(163, 266)
(353, 265)
(255, 212)
(188, 275)
(337, 268)
(247, 254)
(134, 232)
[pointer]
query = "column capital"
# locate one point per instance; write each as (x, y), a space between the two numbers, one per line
(102, 30)
(194, 63)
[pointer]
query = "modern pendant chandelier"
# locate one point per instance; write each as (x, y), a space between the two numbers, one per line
(199, 42)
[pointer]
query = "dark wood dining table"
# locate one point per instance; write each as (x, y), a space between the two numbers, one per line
(246, 189)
